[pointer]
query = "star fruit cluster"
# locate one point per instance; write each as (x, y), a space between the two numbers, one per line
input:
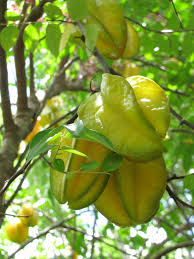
(133, 113)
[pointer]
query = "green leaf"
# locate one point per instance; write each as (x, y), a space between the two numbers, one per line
(8, 36)
(68, 29)
(74, 151)
(12, 16)
(77, 130)
(77, 9)
(189, 182)
(31, 37)
(59, 165)
(39, 143)
(91, 34)
(53, 37)
(53, 11)
(90, 166)
(111, 162)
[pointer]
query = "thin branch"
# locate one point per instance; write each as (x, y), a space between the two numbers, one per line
(12, 215)
(73, 242)
(58, 225)
(14, 176)
(177, 15)
(21, 182)
(182, 120)
(63, 117)
(177, 199)
(96, 238)
(32, 85)
(5, 100)
(175, 177)
(42, 233)
(34, 15)
(163, 32)
(177, 230)
(172, 248)
(175, 91)
(146, 63)
(20, 73)
(182, 131)
(93, 234)
(102, 61)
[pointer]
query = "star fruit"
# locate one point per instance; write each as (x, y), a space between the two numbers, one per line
(28, 210)
(16, 231)
(115, 113)
(77, 186)
(112, 30)
(133, 192)
(153, 101)
(109, 204)
(132, 43)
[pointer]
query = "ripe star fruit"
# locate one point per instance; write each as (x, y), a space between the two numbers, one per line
(132, 43)
(112, 30)
(140, 187)
(78, 187)
(28, 210)
(153, 101)
(16, 231)
(133, 192)
(109, 204)
(115, 113)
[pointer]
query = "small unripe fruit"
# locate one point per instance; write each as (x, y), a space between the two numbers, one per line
(16, 232)
(28, 210)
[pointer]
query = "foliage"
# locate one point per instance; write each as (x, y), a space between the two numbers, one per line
(60, 61)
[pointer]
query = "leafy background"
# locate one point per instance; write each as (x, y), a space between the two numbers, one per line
(166, 36)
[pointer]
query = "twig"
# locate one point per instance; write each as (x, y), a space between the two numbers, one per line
(96, 238)
(171, 248)
(182, 120)
(177, 15)
(163, 32)
(58, 225)
(32, 85)
(73, 242)
(14, 176)
(175, 91)
(177, 199)
(12, 215)
(63, 117)
(42, 233)
(144, 62)
(175, 177)
(102, 61)
(182, 131)
(93, 234)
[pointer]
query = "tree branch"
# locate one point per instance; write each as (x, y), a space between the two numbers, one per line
(93, 234)
(13, 177)
(175, 177)
(182, 120)
(20, 72)
(163, 32)
(58, 225)
(177, 15)
(177, 199)
(146, 63)
(32, 85)
(182, 131)
(171, 248)
(5, 100)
